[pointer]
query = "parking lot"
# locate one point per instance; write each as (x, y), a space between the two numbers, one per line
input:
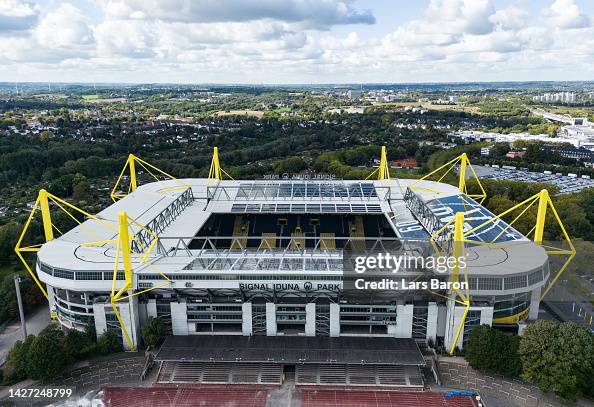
(566, 184)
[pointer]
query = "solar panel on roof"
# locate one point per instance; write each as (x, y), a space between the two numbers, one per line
(313, 190)
(253, 208)
(355, 190)
(373, 208)
(358, 208)
(238, 208)
(344, 208)
(268, 208)
(313, 207)
(298, 190)
(328, 208)
(340, 191)
(474, 215)
(298, 208)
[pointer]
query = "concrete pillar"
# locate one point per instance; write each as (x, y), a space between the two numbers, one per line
(270, 319)
(129, 314)
(404, 321)
(487, 316)
(179, 317)
(454, 318)
(151, 308)
(246, 319)
(142, 314)
(534, 304)
(51, 299)
(432, 312)
(442, 314)
(310, 319)
(521, 328)
(100, 321)
(334, 319)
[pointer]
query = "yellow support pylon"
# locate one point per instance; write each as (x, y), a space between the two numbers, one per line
(215, 166)
(464, 163)
(458, 252)
(383, 171)
(544, 203)
(42, 203)
(216, 172)
(123, 249)
(45, 215)
(131, 166)
(541, 215)
(462, 174)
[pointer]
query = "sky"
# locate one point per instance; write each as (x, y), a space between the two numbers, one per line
(295, 41)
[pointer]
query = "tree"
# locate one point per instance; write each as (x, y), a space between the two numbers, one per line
(558, 357)
(494, 351)
(46, 357)
(109, 342)
(153, 332)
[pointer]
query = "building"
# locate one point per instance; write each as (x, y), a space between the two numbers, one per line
(267, 258)
(558, 97)
(516, 153)
(468, 136)
(486, 151)
(580, 153)
(354, 94)
(408, 162)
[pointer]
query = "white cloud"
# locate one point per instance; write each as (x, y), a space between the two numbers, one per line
(16, 15)
(510, 18)
(289, 41)
(467, 16)
(64, 27)
(566, 14)
(126, 38)
(312, 13)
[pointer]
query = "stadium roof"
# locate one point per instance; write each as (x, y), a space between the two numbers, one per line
(193, 207)
(291, 350)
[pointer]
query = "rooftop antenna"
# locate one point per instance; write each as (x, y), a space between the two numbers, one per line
(16, 88)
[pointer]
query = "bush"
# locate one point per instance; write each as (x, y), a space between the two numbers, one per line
(109, 342)
(494, 351)
(79, 345)
(153, 332)
(15, 368)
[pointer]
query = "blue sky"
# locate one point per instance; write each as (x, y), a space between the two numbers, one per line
(295, 41)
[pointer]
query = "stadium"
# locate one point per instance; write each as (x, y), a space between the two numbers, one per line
(250, 275)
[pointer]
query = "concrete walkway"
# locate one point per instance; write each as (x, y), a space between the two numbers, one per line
(36, 321)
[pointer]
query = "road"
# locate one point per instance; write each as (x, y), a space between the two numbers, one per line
(36, 321)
